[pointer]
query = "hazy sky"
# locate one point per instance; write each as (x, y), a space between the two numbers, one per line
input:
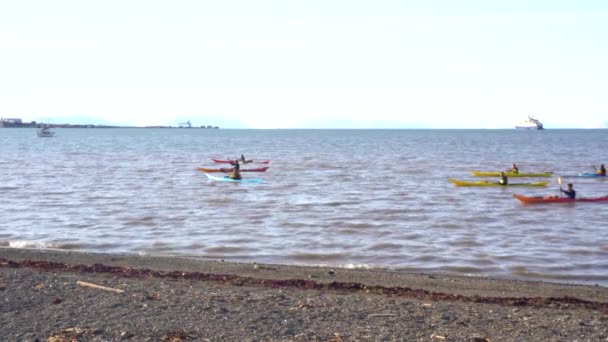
(308, 64)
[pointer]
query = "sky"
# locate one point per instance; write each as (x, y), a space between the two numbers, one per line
(306, 64)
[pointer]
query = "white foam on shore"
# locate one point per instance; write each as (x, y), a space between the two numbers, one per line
(28, 244)
(359, 266)
(40, 244)
(347, 266)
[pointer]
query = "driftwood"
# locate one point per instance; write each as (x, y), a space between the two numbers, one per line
(99, 287)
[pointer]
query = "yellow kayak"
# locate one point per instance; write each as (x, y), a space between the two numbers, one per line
(510, 174)
(488, 183)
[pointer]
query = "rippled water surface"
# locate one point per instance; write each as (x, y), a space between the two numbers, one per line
(333, 197)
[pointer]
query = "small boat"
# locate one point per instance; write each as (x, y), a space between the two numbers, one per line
(584, 175)
(530, 123)
(510, 174)
(45, 132)
(227, 179)
(556, 199)
(226, 170)
(227, 161)
(457, 182)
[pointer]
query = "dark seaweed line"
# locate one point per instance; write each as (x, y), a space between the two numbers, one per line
(236, 280)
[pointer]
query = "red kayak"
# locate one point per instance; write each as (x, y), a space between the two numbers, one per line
(226, 170)
(223, 161)
(555, 199)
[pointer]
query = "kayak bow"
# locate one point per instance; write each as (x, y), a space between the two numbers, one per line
(555, 199)
(457, 182)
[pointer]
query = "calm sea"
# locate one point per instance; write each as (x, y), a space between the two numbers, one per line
(352, 198)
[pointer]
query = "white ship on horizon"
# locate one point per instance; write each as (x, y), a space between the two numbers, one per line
(529, 123)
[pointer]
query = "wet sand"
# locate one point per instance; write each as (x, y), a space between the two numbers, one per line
(43, 297)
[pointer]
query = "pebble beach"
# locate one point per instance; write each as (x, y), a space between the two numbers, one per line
(70, 296)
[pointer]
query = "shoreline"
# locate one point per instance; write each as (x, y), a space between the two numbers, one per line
(279, 302)
(463, 285)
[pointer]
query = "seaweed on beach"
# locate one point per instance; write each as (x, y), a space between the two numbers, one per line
(237, 280)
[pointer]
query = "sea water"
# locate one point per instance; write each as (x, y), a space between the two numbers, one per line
(354, 198)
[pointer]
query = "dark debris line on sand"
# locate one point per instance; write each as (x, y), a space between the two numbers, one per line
(44, 301)
(236, 280)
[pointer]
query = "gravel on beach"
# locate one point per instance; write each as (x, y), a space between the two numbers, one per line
(52, 296)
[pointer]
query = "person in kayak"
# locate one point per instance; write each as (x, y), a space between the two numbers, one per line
(514, 169)
(236, 172)
(503, 179)
(569, 192)
(601, 171)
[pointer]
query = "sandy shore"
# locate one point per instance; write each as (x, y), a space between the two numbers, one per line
(43, 298)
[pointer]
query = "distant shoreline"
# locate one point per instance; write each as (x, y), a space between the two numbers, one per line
(18, 123)
(284, 129)
(104, 126)
(35, 125)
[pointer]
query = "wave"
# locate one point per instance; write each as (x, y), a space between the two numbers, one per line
(41, 244)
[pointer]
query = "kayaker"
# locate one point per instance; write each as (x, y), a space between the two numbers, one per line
(514, 169)
(503, 179)
(236, 172)
(569, 192)
(243, 158)
(601, 171)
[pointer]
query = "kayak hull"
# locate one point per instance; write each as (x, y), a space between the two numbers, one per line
(226, 170)
(510, 174)
(552, 199)
(585, 175)
(226, 179)
(457, 182)
(226, 161)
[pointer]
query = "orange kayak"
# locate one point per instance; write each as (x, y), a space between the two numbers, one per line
(555, 199)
